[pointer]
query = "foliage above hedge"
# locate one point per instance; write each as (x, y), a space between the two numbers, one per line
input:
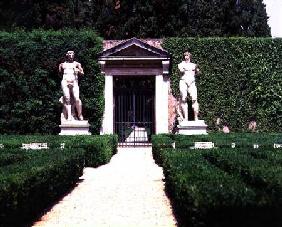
(116, 19)
(30, 84)
(240, 78)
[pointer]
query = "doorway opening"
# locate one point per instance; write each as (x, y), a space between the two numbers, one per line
(134, 109)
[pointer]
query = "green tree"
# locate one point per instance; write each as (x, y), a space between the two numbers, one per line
(164, 18)
(249, 19)
(118, 19)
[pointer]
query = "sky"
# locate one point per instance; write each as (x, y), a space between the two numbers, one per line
(274, 11)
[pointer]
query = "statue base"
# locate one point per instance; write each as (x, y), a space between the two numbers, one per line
(192, 128)
(74, 127)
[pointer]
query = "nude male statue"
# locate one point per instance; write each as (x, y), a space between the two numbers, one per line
(187, 85)
(71, 70)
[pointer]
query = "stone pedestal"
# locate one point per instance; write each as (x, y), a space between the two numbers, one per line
(74, 127)
(192, 128)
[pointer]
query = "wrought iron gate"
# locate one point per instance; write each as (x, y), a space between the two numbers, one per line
(134, 110)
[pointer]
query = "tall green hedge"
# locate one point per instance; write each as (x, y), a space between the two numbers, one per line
(30, 84)
(240, 78)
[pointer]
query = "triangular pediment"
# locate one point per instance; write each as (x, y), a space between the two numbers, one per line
(134, 48)
(135, 51)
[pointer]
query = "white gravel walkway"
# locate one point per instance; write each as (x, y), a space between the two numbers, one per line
(129, 191)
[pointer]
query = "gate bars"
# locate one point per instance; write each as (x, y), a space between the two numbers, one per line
(134, 113)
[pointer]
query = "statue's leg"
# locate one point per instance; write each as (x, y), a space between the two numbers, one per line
(64, 111)
(178, 111)
(183, 99)
(78, 103)
(72, 103)
(195, 105)
(66, 92)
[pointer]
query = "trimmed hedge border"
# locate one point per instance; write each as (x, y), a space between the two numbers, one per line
(204, 195)
(221, 140)
(30, 180)
(99, 149)
(26, 188)
(224, 186)
(262, 174)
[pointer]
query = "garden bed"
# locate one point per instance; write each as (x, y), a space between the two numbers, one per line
(32, 179)
(224, 186)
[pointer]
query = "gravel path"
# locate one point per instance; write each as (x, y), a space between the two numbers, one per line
(129, 191)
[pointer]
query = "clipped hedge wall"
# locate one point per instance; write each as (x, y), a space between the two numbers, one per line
(240, 78)
(30, 84)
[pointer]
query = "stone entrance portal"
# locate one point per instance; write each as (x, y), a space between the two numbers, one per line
(136, 88)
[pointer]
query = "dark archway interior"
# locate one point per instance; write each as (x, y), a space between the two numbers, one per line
(134, 102)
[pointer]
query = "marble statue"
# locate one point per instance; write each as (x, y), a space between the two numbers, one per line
(187, 86)
(72, 106)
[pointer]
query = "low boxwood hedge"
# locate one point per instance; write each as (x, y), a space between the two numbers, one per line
(32, 179)
(271, 156)
(99, 149)
(159, 144)
(221, 140)
(26, 188)
(204, 195)
(223, 186)
(263, 175)
(11, 157)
